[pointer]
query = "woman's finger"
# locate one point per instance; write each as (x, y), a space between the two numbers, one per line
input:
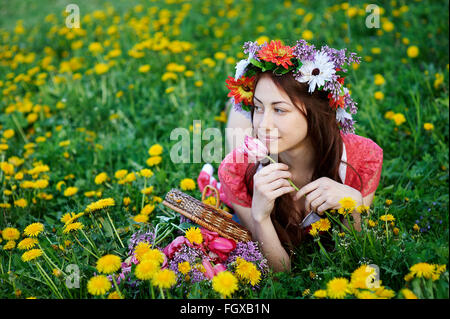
(266, 170)
(277, 184)
(322, 208)
(310, 198)
(275, 175)
(281, 191)
(316, 203)
(307, 189)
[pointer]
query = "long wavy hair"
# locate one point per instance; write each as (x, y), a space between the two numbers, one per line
(327, 144)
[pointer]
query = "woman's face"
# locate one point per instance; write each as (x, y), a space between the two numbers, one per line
(277, 122)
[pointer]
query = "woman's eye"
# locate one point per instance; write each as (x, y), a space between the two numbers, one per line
(257, 108)
(279, 110)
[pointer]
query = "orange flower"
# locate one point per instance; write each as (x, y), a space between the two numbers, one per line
(277, 53)
(241, 90)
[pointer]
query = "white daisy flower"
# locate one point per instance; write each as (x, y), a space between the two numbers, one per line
(317, 72)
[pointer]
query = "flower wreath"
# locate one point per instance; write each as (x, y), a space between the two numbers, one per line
(322, 69)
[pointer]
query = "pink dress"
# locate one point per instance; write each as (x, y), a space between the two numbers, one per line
(362, 153)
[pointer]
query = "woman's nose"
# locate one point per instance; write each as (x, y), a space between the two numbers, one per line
(267, 122)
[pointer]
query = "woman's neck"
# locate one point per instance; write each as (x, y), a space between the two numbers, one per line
(301, 162)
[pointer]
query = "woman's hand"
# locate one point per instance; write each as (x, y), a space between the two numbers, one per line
(325, 193)
(269, 184)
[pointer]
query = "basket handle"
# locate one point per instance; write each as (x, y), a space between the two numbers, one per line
(215, 190)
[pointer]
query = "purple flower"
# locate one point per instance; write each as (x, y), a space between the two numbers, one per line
(304, 51)
(250, 252)
(252, 48)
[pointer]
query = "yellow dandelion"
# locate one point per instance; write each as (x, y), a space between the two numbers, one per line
(33, 229)
(363, 277)
(108, 264)
(98, 285)
(337, 288)
(146, 269)
(155, 255)
(320, 293)
(31, 254)
(70, 191)
(147, 209)
(187, 184)
(424, 270)
(387, 217)
(184, 267)
(146, 172)
(225, 283)
(114, 295)
(347, 203)
(313, 231)
(322, 224)
(101, 204)
(408, 294)
(384, 293)
(362, 209)
(140, 218)
(27, 243)
(155, 150)
(101, 178)
(10, 233)
(164, 278)
(154, 160)
(412, 51)
(121, 173)
(428, 126)
(9, 245)
(72, 227)
(194, 235)
(140, 249)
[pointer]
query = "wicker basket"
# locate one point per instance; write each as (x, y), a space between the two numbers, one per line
(207, 216)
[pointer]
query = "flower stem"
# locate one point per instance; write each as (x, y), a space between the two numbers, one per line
(289, 180)
(85, 247)
(88, 240)
(49, 281)
(162, 293)
(50, 262)
(115, 230)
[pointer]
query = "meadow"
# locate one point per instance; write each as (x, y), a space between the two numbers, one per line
(85, 124)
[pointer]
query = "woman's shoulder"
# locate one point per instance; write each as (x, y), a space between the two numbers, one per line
(231, 174)
(362, 147)
(366, 157)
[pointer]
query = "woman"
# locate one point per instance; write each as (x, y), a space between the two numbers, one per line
(298, 116)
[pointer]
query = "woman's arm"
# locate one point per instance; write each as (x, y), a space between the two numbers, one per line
(264, 232)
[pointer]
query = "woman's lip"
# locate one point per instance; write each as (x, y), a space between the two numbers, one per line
(270, 138)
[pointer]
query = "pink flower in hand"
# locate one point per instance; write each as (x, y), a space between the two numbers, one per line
(254, 149)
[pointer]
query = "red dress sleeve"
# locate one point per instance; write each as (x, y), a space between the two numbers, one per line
(231, 174)
(367, 159)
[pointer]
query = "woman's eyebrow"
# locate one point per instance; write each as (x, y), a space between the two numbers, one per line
(273, 103)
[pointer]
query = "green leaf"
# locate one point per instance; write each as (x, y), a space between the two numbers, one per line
(256, 63)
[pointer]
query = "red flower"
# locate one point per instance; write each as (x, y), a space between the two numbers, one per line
(277, 53)
(336, 103)
(241, 90)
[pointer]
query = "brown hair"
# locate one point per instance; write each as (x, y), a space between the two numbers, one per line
(324, 131)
